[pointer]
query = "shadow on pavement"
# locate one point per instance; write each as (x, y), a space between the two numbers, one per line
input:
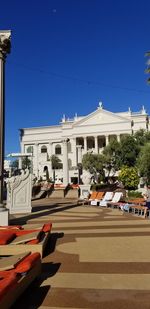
(51, 244)
(24, 219)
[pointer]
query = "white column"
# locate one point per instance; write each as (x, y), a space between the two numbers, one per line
(79, 154)
(74, 152)
(107, 140)
(79, 161)
(85, 144)
(65, 163)
(96, 144)
(20, 159)
(50, 149)
(36, 160)
(118, 138)
(50, 152)
(20, 163)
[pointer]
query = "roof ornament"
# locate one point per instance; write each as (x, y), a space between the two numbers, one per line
(63, 118)
(129, 110)
(100, 105)
(143, 111)
(76, 116)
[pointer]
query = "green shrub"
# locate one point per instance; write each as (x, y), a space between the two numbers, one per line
(97, 186)
(129, 177)
(134, 194)
(103, 186)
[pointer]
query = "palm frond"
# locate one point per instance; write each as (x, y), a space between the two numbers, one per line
(148, 80)
(147, 70)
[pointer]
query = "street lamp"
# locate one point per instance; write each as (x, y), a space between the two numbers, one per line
(132, 125)
(5, 45)
(147, 122)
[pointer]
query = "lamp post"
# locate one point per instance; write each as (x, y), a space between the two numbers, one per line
(147, 122)
(79, 160)
(132, 125)
(65, 162)
(5, 46)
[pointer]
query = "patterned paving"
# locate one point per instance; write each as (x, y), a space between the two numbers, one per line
(96, 258)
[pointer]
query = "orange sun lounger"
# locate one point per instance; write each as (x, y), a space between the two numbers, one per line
(18, 240)
(98, 198)
(17, 277)
(91, 197)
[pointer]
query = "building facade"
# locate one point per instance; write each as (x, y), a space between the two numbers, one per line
(73, 138)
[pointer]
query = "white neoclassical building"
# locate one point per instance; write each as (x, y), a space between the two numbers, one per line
(72, 138)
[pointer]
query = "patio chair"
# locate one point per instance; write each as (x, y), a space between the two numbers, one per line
(116, 198)
(139, 210)
(88, 200)
(107, 198)
(137, 201)
(19, 240)
(98, 198)
(16, 274)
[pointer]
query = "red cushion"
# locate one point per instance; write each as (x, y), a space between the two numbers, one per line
(24, 232)
(8, 283)
(18, 231)
(27, 263)
(9, 227)
(6, 237)
(5, 273)
(47, 227)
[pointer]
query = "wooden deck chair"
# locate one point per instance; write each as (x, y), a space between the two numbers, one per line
(17, 241)
(16, 274)
(88, 199)
(139, 201)
(107, 198)
(93, 195)
(98, 198)
(139, 210)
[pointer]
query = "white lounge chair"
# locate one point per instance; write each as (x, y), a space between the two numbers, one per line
(116, 198)
(108, 197)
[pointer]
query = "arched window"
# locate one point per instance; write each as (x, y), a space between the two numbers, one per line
(43, 149)
(58, 150)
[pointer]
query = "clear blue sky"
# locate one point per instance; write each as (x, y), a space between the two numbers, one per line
(67, 55)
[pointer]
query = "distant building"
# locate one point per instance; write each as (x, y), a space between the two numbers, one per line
(90, 133)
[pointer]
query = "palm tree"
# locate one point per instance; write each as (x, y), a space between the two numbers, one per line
(56, 164)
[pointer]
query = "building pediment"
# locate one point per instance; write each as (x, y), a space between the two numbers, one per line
(101, 116)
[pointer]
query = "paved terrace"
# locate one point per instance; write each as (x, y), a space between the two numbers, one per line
(95, 258)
